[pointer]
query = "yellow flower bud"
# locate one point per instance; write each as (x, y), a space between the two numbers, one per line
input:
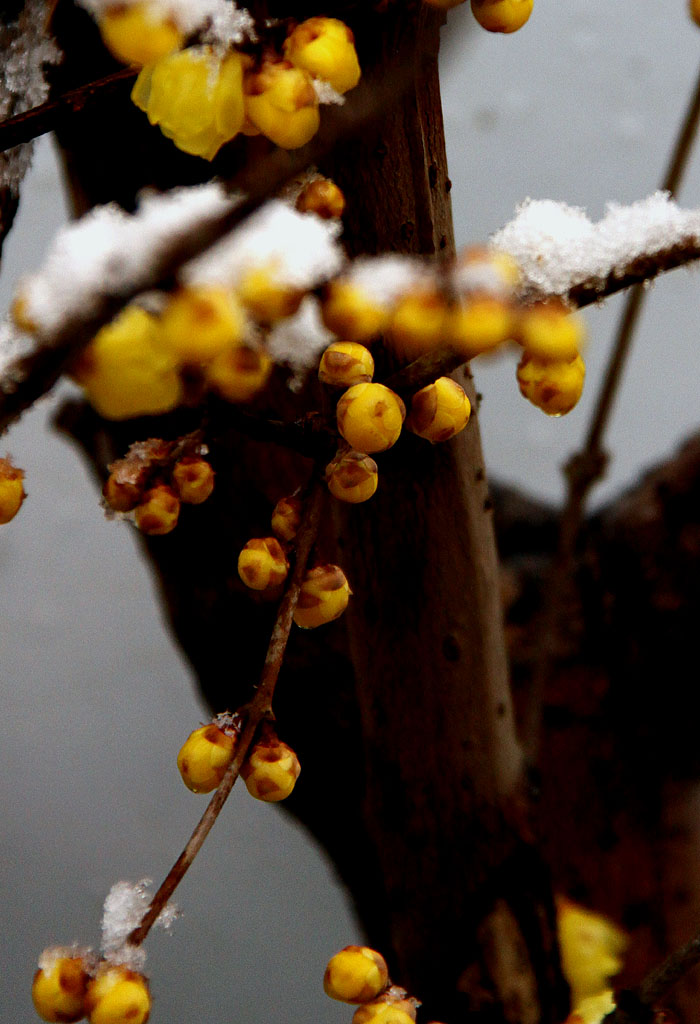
(118, 996)
(385, 1011)
(201, 321)
(591, 947)
(58, 990)
(352, 477)
(694, 10)
(550, 332)
(553, 387)
(345, 363)
(138, 34)
(592, 1009)
(11, 490)
(204, 757)
(193, 479)
(121, 495)
(351, 314)
(127, 371)
(322, 197)
(262, 563)
(324, 596)
(239, 374)
(286, 517)
(480, 268)
(418, 323)
(265, 298)
(356, 974)
(325, 47)
(195, 97)
(370, 417)
(502, 15)
(158, 512)
(271, 770)
(280, 100)
(479, 324)
(439, 411)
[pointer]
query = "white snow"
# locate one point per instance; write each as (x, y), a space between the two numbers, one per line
(48, 957)
(326, 94)
(109, 251)
(299, 249)
(383, 279)
(220, 22)
(14, 344)
(124, 907)
(558, 247)
(299, 340)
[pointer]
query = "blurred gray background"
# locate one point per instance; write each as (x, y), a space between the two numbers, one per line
(581, 105)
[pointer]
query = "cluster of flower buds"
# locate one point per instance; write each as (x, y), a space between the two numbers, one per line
(551, 371)
(360, 975)
(152, 482)
(270, 770)
(136, 365)
(494, 15)
(70, 985)
(11, 490)
(202, 96)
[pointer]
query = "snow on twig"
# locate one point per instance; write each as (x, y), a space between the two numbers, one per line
(124, 907)
(559, 248)
(220, 22)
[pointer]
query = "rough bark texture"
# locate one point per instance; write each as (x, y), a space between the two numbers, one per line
(400, 712)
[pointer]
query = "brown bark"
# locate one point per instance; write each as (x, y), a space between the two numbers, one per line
(401, 712)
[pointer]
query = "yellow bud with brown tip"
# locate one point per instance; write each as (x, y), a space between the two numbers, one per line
(280, 100)
(352, 477)
(322, 197)
(550, 331)
(385, 1011)
(266, 298)
(193, 479)
(418, 323)
(351, 313)
(439, 411)
(345, 363)
(158, 512)
(694, 10)
(357, 974)
(286, 517)
(262, 563)
(271, 770)
(118, 995)
(553, 387)
(325, 47)
(11, 490)
(201, 321)
(204, 758)
(59, 986)
(479, 324)
(121, 495)
(323, 597)
(502, 15)
(138, 34)
(370, 417)
(240, 374)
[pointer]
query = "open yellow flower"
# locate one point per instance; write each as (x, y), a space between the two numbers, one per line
(195, 97)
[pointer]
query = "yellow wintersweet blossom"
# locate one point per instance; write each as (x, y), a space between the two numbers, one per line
(195, 97)
(136, 34)
(591, 948)
(593, 1009)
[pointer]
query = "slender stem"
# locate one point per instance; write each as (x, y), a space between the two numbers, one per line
(47, 116)
(259, 709)
(587, 466)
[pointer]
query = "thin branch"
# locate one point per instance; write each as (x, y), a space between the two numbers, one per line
(259, 709)
(588, 465)
(49, 116)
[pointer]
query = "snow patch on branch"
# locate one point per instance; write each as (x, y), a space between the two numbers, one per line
(299, 249)
(124, 908)
(220, 22)
(298, 341)
(557, 247)
(384, 279)
(109, 252)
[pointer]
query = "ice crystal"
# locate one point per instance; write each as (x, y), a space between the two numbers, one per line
(325, 93)
(299, 340)
(124, 908)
